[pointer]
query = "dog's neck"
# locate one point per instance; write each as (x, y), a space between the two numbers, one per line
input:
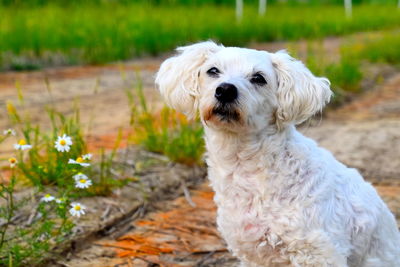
(239, 147)
(257, 162)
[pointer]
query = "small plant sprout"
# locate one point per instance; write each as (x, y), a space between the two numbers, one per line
(61, 200)
(22, 145)
(9, 132)
(83, 183)
(80, 176)
(77, 209)
(47, 198)
(13, 161)
(87, 156)
(79, 161)
(63, 143)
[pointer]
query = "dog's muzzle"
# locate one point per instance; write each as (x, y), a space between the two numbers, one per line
(225, 108)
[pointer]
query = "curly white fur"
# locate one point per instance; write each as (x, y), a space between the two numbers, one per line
(282, 200)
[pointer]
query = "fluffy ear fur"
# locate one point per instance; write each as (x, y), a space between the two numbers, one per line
(300, 93)
(178, 77)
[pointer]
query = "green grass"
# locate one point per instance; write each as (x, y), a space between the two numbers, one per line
(54, 35)
(378, 48)
(344, 73)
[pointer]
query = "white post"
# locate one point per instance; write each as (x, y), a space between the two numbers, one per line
(239, 9)
(348, 8)
(262, 7)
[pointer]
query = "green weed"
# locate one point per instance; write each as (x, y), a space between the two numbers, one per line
(166, 132)
(55, 161)
(43, 164)
(23, 244)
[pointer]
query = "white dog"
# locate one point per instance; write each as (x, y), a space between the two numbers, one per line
(282, 200)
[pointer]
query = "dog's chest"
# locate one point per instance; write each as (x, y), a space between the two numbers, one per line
(240, 216)
(248, 218)
(244, 209)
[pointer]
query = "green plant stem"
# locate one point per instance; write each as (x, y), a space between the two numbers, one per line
(10, 209)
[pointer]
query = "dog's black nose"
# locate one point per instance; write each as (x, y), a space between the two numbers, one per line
(226, 93)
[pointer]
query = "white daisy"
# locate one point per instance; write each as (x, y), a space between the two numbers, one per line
(79, 161)
(47, 198)
(80, 176)
(87, 156)
(83, 183)
(63, 143)
(77, 209)
(9, 132)
(22, 145)
(13, 161)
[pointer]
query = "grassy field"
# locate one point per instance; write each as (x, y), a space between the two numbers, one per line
(31, 37)
(382, 47)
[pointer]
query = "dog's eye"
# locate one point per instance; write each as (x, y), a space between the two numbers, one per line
(258, 79)
(213, 72)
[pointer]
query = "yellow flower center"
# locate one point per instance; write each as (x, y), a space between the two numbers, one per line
(77, 207)
(79, 160)
(63, 142)
(22, 142)
(82, 181)
(12, 160)
(47, 196)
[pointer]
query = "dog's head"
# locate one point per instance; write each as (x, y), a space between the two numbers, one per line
(236, 88)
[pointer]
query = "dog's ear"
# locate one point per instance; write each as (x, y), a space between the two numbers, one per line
(300, 94)
(178, 77)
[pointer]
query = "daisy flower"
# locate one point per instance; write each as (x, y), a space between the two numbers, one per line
(47, 198)
(22, 145)
(79, 161)
(63, 143)
(87, 156)
(83, 183)
(9, 132)
(13, 161)
(80, 176)
(77, 209)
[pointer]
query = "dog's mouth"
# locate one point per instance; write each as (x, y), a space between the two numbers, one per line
(226, 113)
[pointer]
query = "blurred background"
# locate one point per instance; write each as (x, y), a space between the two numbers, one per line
(41, 33)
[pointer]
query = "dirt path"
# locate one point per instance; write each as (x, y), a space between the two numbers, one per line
(99, 90)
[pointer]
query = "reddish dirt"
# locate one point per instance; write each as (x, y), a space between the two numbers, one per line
(179, 234)
(182, 230)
